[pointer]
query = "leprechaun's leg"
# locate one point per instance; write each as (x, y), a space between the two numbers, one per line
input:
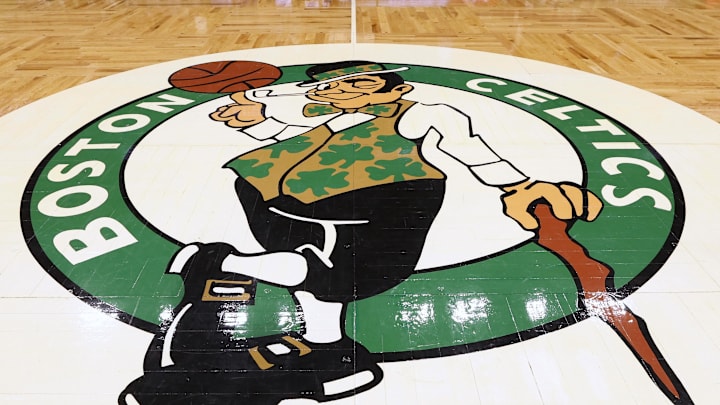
(284, 268)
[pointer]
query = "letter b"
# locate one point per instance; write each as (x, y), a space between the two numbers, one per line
(94, 238)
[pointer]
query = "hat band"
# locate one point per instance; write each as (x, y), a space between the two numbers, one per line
(346, 75)
(331, 74)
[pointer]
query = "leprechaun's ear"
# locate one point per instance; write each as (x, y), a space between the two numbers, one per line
(402, 88)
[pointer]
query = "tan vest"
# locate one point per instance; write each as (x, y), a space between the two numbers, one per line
(320, 164)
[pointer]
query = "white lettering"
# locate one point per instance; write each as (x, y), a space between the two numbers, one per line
(101, 236)
(615, 145)
(475, 84)
(108, 124)
(49, 204)
(159, 106)
(84, 143)
(531, 96)
(57, 174)
(560, 112)
(660, 201)
(602, 125)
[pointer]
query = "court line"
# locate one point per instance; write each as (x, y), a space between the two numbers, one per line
(353, 22)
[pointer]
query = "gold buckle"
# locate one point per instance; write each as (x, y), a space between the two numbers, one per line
(212, 294)
(262, 362)
(259, 359)
(298, 344)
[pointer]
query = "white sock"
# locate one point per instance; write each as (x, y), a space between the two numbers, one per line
(282, 268)
(322, 318)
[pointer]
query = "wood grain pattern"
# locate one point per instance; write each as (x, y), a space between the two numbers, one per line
(668, 47)
(671, 48)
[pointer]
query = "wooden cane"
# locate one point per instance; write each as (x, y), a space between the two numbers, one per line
(598, 298)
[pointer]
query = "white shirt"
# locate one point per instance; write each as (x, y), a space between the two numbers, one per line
(453, 127)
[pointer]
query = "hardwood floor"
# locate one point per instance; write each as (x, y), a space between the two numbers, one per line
(670, 48)
(667, 47)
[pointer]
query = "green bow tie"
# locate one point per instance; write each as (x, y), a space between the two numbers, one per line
(380, 110)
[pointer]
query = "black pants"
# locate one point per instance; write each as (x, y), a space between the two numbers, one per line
(367, 258)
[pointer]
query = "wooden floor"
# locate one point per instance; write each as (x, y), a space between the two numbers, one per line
(671, 48)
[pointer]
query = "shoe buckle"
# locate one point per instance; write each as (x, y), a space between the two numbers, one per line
(264, 364)
(228, 290)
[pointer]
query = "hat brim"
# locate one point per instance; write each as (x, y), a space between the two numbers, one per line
(334, 79)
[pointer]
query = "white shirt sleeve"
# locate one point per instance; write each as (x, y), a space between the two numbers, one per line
(458, 141)
(272, 128)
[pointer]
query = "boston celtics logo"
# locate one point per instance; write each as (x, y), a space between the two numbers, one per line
(283, 231)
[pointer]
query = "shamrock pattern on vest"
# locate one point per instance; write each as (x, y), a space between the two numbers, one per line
(321, 164)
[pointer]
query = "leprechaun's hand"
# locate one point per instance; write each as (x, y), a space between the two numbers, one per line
(240, 114)
(567, 201)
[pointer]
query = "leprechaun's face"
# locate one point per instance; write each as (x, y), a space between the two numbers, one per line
(356, 92)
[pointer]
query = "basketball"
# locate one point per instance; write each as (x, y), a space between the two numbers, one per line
(225, 76)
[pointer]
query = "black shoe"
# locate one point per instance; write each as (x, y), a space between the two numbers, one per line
(262, 371)
(187, 388)
(322, 372)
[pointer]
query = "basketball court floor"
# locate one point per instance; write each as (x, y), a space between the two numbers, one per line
(360, 202)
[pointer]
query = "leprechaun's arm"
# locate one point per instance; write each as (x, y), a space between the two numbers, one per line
(458, 141)
(249, 117)
(566, 200)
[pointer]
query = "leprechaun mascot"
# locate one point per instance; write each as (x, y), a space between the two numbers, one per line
(342, 210)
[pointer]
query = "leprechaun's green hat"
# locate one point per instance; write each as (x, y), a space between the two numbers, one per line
(330, 72)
